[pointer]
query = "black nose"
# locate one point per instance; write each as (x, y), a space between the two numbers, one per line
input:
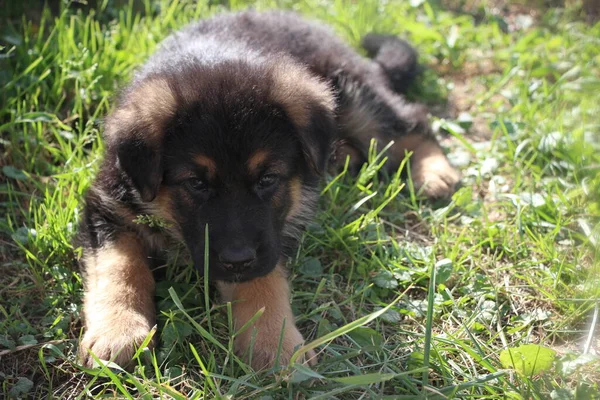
(237, 258)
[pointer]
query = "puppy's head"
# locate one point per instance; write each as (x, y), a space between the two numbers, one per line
(234, 147)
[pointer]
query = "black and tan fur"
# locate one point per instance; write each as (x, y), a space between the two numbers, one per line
(231, 124)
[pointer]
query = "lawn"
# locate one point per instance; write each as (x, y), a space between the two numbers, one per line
(493, 294)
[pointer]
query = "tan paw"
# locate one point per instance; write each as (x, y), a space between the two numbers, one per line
(439, 183)
(432, 174)
(266, 346)
(117, 343)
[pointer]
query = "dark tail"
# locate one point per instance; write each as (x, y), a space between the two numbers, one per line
(397, 58)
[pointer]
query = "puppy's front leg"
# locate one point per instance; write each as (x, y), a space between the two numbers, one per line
(271, 292)
(118, 300)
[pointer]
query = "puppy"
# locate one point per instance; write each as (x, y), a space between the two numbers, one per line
(230, 125)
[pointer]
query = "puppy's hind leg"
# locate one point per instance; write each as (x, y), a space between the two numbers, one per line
(431, 171)
(370, 110)
(403, 122)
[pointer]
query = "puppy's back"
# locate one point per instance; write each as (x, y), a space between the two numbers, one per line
(254, 35)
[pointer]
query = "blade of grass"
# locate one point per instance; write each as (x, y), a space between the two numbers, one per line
(340, 331)
(429, 325)
(205, 334)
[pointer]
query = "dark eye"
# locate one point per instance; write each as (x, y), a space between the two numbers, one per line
(268, 180)
(196, 184)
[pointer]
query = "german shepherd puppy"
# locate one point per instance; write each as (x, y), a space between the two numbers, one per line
(231, 124)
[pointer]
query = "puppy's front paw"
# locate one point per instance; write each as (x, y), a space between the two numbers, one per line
(263, 354)
(113, 341)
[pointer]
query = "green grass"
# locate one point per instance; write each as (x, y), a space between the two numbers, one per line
(513, 259)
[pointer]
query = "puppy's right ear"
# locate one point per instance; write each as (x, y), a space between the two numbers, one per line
(136, 130)
(310, 103)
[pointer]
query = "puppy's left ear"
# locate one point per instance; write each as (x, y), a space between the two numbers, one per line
(135, 132)
(310, 104)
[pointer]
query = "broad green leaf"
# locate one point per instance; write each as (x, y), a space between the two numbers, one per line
(463, 197)
(22, 387)
(561, 394)
(27, 339)
(392, 316)
(567, 367)
(366, 336)
(311, 267)
(21, 235)
(528, 359)
(386, 280)
(443, 270)
(5, 341)
(14, 173)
